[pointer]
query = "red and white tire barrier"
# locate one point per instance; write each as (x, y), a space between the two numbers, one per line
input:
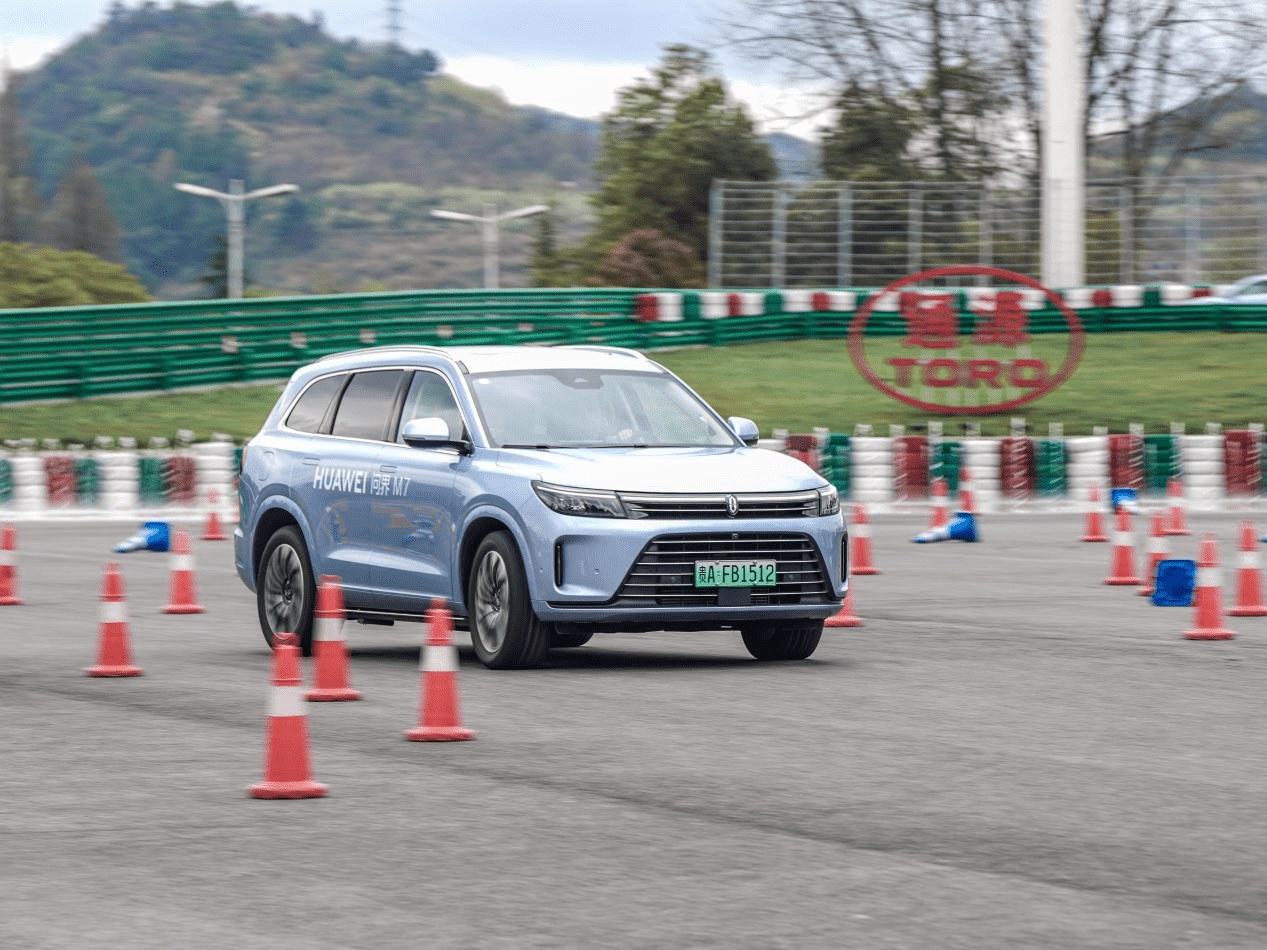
(183, 598)
(860, 543)
(287, 767)
(1208, 599)
(1249, 587)
(9, 568)
(330, 653)
(1123, 572)
(438, 716)
(114, 657)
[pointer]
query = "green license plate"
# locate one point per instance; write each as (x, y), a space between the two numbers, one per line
(734, 573)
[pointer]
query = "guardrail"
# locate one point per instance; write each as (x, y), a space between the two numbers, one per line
(78, 352)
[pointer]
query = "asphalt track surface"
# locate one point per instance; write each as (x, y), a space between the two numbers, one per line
(1009, 754)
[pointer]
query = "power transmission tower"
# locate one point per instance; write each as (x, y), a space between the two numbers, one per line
(394, 28)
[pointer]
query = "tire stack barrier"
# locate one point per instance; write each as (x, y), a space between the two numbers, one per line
(59, 480)
(1202, 460)
(119, 479)
(87, 481)
(30, 489)
(1016, 467)
(982, 456)
(872, 469)
(943, 462)
(215, 470)
(1161, 462)
(910, 467)
(1126, 462)
(1087, 464)
(180, 480)
(1049, 467)
(149, 473)
(838, 462)
(1242, 462)
(802, 447)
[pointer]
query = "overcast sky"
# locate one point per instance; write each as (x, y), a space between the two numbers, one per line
(567, 55)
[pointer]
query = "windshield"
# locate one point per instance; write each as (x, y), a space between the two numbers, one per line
(593, 409)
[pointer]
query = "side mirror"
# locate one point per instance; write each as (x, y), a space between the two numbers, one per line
(744, 429)
(431, 433)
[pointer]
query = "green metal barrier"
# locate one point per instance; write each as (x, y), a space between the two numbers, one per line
(76, 352)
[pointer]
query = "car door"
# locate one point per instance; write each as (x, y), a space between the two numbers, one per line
(339, 466)
(413, 505)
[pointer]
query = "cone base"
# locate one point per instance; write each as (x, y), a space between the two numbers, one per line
(184, 609)
(304, 789)
(439, 734)
(103, 670)
(332, 695)
(11, 601)
(864, 570)
(214, 537)
(1146, 592)
(1209, 633)
(1093, 537)
(839, 621)
(1123, 581)
(1174, 532)
(1258, 610)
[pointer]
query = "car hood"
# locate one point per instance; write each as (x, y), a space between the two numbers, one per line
(665, 469)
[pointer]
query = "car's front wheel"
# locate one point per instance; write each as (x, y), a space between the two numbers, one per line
(284, 589)
(788, 640)
(505, 632)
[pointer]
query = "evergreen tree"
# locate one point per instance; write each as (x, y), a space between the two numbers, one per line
(19, 197)
(80, 218)
(216, 277)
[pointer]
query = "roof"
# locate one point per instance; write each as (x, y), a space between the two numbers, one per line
(493, 359)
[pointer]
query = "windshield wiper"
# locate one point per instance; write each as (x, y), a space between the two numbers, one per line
(508, 445)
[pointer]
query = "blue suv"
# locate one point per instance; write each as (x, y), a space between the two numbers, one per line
(545, 493)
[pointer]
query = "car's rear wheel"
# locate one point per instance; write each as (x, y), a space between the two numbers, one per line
(788, 640)
(284, 589)
(505, 632)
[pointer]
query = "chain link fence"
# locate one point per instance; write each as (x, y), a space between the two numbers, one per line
(865, 234)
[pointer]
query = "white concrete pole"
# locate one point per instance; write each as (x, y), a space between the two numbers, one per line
(1063, 169)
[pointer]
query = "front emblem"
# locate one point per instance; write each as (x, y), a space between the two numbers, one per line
(732, 505)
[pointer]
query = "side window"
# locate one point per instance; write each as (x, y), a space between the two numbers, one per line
(310, 408)
(367, 404)
(430, 397)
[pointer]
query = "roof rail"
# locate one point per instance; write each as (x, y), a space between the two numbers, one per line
(600, 348)
(421, 347)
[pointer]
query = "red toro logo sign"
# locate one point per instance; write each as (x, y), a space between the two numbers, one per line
(923, 350)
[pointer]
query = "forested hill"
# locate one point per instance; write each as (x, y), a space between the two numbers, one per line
(374, 136)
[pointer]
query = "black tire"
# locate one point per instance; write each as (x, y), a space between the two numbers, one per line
(285, 594)
(505, 632)
(789, 640)
(569, 640)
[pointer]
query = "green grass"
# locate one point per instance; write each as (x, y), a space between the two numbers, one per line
(1148, 378)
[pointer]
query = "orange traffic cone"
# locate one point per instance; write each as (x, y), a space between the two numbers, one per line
(9, 568)
(287, 771)
(212, 530)
(1249, 589)
(113, 656)
(330, 653)
(860, 543)
(940, 514)
(965, 490)
(846, 616)
(1178, 524)
(1208, 599)
(438, 719)
(1123, 553)
(1158, 551)
(183, 597)
(1094, 530)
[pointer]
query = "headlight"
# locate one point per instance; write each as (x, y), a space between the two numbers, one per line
(828, 501)
(584, 502)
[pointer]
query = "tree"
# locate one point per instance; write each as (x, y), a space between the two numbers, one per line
(669, 137)
(80, 218)
(646, 258)
(19, 196)
(44, 277)
(216, 277)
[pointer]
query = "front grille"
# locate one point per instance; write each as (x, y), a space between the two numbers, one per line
(799, 504)
(664, 574)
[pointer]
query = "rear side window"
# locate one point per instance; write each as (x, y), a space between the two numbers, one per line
(367, 404)
(310, 409)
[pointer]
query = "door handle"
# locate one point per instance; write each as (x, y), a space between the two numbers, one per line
(312, 461)
(388, 469)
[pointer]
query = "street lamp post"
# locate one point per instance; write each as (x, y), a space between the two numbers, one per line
(234, 203)
(489, 221)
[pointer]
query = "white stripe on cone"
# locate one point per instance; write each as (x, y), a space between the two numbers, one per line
(182, 562)
(439, 659)
(328, 628)
(1208, 577)
(1123, 539)
(6, 558)
(286, 701)
(114, 611)
(861, 530)
(1248, 559)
